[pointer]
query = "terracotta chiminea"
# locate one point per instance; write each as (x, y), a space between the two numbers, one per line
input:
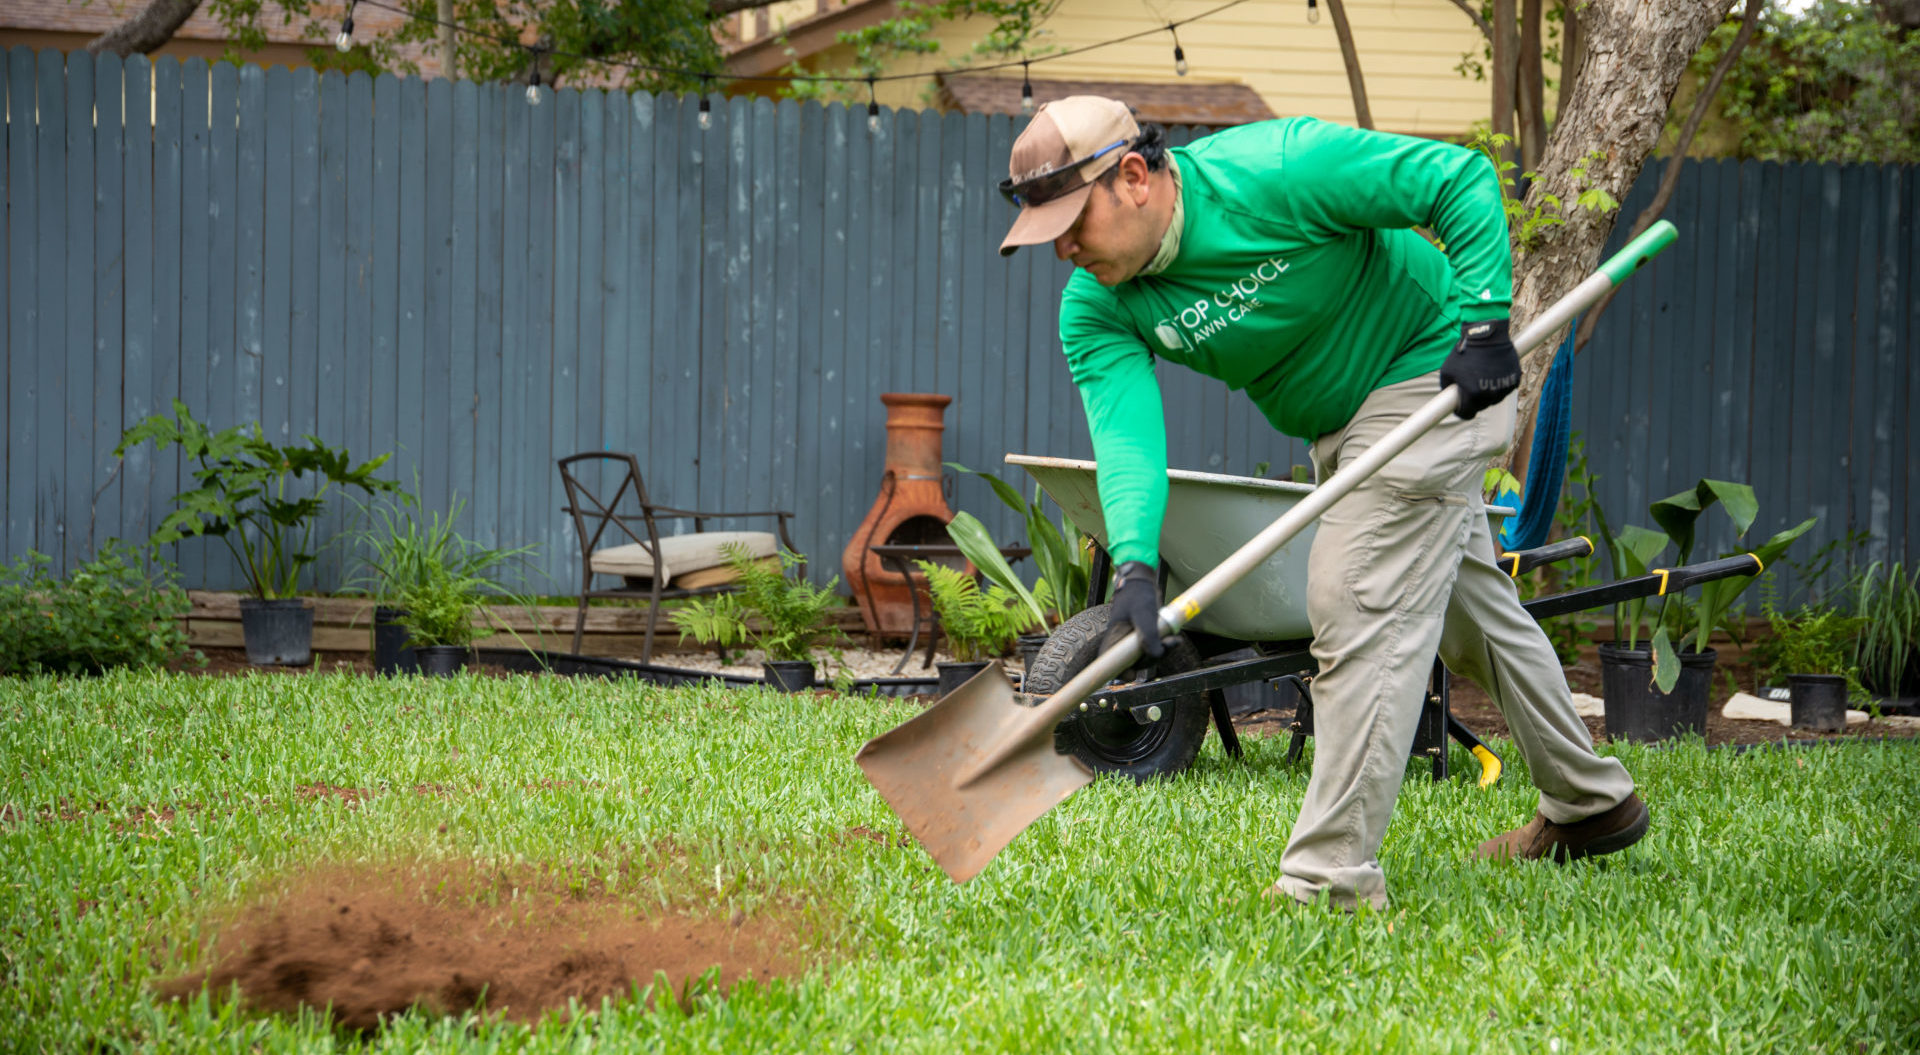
(911, 510)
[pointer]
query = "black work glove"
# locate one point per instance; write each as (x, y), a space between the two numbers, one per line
(1484, 365)
(1136, 606)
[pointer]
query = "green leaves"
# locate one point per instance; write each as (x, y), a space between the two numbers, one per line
(792, 612)
(1677, 513)
(120, 609)
(1063, 557)
(979, 624)
(243, 498)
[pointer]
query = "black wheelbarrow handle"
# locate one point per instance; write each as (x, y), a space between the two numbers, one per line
(1524, 561)
(1656, 583)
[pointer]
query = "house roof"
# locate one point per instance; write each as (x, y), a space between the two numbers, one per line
(1213, 105)
(94, 17)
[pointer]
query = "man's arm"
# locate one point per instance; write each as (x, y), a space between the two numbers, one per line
(1338, 179)
(1114, 373)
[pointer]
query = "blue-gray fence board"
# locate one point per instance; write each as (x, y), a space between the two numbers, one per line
(481, 287)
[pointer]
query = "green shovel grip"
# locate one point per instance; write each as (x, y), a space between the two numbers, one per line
(1639, 251)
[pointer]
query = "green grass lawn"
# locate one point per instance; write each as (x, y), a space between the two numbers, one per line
(1773, 905)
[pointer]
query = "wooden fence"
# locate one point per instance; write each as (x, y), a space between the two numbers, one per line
(480, 286)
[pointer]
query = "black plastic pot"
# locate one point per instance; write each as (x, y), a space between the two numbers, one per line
(954, 675)
(391, 653)
(788, 675)
(278, 633)
(1638, 710)
(1030, 645)
(443, 661)
(1818, 702)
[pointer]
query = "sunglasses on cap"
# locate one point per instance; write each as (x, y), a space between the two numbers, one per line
(1044, 188)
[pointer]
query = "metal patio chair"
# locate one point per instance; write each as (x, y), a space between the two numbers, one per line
(651, 564)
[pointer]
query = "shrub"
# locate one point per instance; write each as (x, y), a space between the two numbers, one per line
(1812, 639)
(439, 606)
(1889, 647)
(120, 609)
(979, 624)
(792, 613)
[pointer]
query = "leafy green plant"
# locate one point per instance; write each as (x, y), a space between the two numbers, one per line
(1676, 622)
(438, 609)
(1887, 599)
(120, 609)
(1063, 556)
(790, 612)
(398, 550)
(246, 495)
(979, 624)
(1811, 639)
(1529, 224)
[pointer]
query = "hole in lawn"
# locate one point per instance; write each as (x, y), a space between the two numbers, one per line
(375, 941)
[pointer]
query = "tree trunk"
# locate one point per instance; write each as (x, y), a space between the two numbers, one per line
(153, 26)
(1506, 47)
(449, 55)
(1573, 50)
(1635, 55)
(1362, 115)
(1749, 22)
(1533, 88)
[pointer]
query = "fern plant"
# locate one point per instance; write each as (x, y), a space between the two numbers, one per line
(789, 615)
(979, 624)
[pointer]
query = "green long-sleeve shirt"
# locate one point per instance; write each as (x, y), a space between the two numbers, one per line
(1298, 279)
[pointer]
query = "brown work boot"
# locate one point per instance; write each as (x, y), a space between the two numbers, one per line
(1602, 833)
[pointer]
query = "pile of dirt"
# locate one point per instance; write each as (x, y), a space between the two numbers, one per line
(373, 942)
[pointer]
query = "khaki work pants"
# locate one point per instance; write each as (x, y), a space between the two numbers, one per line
(1401, 568)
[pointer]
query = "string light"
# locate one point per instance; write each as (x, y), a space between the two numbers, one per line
(644, 67)
(706, 104)
(1179, 54)
(873, 108)
(1026, 89)
(533, 82)
(345, 40)
(1313, 10)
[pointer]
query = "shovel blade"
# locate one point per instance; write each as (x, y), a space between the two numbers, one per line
(928, 771)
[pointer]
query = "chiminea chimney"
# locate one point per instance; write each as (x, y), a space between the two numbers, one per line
(910, 510)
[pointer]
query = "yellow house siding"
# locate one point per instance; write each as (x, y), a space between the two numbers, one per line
(1408, 49)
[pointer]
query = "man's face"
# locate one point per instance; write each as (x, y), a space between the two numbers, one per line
(1111, 240)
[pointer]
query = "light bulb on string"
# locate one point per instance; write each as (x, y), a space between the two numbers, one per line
(1313, 10)
(1179, 53)
(873, 109)
(706, 103)
(533, 86)
(344, 41)
(1026, 89)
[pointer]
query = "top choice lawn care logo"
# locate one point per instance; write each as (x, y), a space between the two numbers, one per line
(1228, 305)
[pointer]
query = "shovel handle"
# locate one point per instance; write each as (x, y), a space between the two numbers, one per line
(1182, 609)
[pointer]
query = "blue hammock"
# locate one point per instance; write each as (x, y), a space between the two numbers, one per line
(1547, 465)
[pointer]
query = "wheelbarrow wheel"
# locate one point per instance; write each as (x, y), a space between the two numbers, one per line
(1110, 742)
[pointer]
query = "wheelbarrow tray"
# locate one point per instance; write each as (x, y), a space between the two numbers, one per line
(1209, 517)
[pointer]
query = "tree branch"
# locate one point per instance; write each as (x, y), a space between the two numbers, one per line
(723, 8)
(146, 31)
(1350, 56)
(1749, 22)
(1485, 29)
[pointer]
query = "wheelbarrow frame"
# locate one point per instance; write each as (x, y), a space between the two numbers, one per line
(1292, 660)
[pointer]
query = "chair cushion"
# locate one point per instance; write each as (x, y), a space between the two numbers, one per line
(680, 554)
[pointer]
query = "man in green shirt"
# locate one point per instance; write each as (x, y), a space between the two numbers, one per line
(1280, 258)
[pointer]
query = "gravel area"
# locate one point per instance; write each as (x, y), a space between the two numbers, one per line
(864, 662)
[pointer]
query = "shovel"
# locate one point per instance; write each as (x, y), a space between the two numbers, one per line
(972, 771)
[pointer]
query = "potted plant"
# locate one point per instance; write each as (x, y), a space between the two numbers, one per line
(1814, 646)
(785, 618)
(253, 496)
(1664, 689)
(1063, 556)
(1888, 654)
(438, 619)
(398, 551)
(979, 624)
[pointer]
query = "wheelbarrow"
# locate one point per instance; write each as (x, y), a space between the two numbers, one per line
(1155, 727)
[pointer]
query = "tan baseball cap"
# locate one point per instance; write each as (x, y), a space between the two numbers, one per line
(1070, 143)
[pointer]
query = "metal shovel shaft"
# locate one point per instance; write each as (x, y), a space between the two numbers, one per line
(1182, 609)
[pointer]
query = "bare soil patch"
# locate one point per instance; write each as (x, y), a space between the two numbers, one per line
(372, 942)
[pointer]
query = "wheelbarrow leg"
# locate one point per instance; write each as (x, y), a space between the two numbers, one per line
(1302, 725)
(1434, 719)
(1223, 721)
